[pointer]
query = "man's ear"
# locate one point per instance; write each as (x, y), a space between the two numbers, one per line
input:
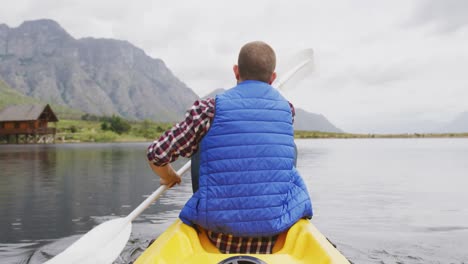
(273, 78)
(235, 68)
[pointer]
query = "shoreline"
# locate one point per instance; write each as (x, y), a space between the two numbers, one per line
(125, 138)
(325, 135)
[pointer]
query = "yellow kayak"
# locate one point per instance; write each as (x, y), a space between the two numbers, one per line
(180, 243)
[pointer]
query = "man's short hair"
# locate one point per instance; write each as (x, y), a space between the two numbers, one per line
(257, 61)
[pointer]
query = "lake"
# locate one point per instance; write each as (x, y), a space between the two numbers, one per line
(378, 200)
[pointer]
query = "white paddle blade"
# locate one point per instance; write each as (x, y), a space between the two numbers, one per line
(102, 244)
(298, 67)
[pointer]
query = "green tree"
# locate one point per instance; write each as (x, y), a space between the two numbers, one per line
(159, 129)
(90, 117)
(104, 126)
(119, 125)
(147, 130)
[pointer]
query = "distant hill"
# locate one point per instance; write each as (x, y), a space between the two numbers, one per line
(458, 125)
(214, 93)
(313, 122)
(98, 76)
(9, 96)
(303, 120)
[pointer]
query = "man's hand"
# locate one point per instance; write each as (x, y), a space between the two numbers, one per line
(168, 176)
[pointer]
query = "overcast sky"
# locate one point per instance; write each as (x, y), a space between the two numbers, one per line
(380, 66)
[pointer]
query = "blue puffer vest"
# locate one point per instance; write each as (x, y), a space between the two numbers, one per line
(248, 184)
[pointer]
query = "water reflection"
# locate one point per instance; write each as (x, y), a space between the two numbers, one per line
(52, 191)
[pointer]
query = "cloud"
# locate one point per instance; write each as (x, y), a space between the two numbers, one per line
(447, 16)
(441, 17)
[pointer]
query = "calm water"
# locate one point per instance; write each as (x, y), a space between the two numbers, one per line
(380, 201)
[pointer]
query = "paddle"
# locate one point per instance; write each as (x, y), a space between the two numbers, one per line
(104, 243)
(299, 65)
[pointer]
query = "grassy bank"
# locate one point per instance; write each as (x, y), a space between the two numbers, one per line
(317, 134)
(91, 131)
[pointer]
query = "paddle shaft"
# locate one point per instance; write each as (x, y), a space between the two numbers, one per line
(155, 195)
(302, 60)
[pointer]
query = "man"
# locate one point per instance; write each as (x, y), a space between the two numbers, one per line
(248, 188)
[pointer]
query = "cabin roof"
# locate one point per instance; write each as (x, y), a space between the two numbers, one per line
(27, 113)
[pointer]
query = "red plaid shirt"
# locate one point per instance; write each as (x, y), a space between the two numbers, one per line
(229, 244)
(182, 140)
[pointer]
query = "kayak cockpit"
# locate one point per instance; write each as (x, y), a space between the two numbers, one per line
(180, 243)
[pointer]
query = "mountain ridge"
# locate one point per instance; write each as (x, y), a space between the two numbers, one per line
(96, 75)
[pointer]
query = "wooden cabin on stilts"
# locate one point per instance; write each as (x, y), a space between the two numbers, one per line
(27, 124)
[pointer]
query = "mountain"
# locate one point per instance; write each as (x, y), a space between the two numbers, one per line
(303, 120)
(313, 122)
(458, 125)
(215, 92)
(99, 76)
(9, 96)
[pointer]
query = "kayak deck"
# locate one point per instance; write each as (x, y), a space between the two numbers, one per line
(180, 243)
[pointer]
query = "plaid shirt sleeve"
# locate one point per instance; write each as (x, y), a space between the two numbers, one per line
(183, 138)
(293, 111)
